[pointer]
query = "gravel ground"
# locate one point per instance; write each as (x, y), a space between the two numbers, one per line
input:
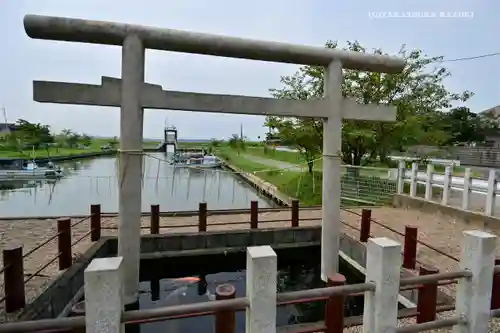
(441, 231)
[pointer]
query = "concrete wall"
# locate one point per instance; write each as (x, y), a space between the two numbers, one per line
(488, 157)
(474, 219)
(60, 295)
(267, 189)
(55, 299)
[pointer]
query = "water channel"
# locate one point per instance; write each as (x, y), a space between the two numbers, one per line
(298, 269)
(94, 181)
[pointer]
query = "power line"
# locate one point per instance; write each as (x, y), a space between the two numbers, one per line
(469, 58)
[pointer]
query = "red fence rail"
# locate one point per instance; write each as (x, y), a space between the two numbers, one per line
(226, 305)
(13, 270)
(14, 276)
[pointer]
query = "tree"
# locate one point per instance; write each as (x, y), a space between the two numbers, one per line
(237, 143)
(215, 143)
(85, 140)
(32, 134)
(113, 142)
(417, 93)
(464, 126)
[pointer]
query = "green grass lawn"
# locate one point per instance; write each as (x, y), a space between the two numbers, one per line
(284, 156)
(55, 152)
(296, 158)
(360, 189)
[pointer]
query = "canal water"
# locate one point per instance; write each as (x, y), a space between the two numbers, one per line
(94, 181)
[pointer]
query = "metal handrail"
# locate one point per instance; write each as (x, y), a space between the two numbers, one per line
(43, 325)
(325, 292)
(432, 278)
(231, 304)
(432, 325)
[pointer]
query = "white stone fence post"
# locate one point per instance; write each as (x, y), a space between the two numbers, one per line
(104, 296)
(447, 182)
(401, 177)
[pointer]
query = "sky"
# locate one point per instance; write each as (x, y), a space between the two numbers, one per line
(311, 22)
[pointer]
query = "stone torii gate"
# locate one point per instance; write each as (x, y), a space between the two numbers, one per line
(132, 94)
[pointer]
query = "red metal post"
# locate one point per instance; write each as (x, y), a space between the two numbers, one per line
(366, 216)
(202, 217)
(154, 228)
(410, 247)
(295, 213)
(495, 292)
(64, 242)
(254, 214)
(225, 320)
(334, 309)
(95, 222)
(427, 297)
(13, 276)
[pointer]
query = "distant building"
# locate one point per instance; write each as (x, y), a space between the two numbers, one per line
(493, 112)
(6, 128)
(493, 138)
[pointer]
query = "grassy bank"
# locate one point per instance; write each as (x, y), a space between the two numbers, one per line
(287, 182)
(57, 152)
(357, 188)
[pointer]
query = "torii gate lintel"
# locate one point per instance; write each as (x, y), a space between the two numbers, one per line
(108, 93)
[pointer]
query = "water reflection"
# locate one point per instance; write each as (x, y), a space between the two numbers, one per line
(95, 181)
(160, 292)
(28, 188)
(168, 292)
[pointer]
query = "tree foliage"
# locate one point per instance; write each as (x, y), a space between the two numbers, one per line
(418, 93)
(31, 134)
(237, 143)
(69, 139)
(27, 135)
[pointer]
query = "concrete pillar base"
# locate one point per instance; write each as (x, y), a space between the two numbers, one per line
(132, 328)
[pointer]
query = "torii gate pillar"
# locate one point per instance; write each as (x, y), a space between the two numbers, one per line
(130, 161)
(332, 148)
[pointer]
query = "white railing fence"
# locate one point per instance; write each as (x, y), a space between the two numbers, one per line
(104, 304)
(466, 184)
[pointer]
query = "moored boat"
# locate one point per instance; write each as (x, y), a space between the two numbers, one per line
(24, 169)
(198, 161)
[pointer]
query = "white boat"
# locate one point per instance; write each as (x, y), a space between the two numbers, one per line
(196, 161)
(25, 169)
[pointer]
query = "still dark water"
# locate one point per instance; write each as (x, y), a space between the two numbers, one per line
(296, 272)
(94, 181)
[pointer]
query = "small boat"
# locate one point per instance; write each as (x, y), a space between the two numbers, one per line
(196, 161)
(25, 169)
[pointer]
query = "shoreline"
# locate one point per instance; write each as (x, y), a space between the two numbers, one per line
(267, 189)
(61, 158)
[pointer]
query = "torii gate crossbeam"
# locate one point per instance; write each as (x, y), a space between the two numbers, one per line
(132, 94)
